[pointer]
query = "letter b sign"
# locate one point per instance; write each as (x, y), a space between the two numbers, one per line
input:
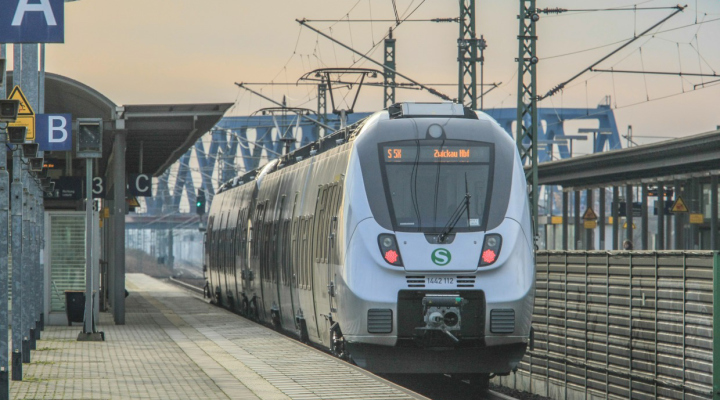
(54, 132)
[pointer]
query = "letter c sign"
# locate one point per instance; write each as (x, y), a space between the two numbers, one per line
(140, 185)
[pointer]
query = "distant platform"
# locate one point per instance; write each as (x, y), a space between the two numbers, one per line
(177, 346)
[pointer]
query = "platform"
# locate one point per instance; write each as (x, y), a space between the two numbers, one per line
(177, 346)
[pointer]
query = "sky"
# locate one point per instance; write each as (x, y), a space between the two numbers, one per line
(193, 51)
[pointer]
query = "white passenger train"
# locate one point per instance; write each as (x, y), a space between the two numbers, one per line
(402, 242)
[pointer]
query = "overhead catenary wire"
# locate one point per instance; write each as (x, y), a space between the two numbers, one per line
(620, 71)
(438, 20)
(572, 53)
(317, 53)
(561, 86)
(429, 89)
(602, 112)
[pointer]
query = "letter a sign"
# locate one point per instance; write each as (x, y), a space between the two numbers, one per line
(32, 21)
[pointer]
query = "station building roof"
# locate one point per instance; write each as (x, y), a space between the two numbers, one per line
(666, 161)
(162, 133)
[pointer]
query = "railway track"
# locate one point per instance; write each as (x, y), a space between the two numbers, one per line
(443, 387)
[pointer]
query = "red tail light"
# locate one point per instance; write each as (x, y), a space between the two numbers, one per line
(391, 256)
(389, 249)
(489, 256)
(490, 250)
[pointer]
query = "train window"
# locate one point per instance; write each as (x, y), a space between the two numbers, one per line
(426, 182)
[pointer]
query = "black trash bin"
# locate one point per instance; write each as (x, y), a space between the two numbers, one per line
(75, 306)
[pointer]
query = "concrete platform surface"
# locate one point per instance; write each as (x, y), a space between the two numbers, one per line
(177, 346)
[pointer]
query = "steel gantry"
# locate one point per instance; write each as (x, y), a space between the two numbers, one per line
(467, 55)
(389, 71)
(527, 113)
(322, 103)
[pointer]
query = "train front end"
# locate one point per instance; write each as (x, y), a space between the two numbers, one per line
(439, 269)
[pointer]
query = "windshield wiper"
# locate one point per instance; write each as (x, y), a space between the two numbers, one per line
(464, 206)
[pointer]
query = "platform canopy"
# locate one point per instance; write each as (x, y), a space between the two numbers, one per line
(664, 161)
(161, 133)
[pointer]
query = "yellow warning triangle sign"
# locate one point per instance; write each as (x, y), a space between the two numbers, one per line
(17, 94)
(679, 206)
(590, 215)
(132, 201)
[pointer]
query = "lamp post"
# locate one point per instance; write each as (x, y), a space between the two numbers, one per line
(89, 146)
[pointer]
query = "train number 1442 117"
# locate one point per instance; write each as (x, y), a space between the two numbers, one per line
(440, 280)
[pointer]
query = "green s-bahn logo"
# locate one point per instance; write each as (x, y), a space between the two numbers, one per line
(441, 257)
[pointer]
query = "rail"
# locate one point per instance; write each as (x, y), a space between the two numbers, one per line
(192, 288)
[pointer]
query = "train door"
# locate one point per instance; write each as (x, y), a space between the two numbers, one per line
(320, 262)
(289, 276)
(238, 266)
(224, 259)
(333, 252)
(258, 259)
(295, 240)
(209, 262)
(247, 255)
(305, 295)
(278, 249)
(217, 255)
(230, 261)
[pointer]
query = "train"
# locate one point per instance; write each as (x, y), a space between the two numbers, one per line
(402, 243)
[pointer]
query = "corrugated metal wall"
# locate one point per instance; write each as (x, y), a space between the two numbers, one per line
(621, 325)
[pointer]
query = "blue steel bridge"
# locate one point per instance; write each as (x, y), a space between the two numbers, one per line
(241, 143)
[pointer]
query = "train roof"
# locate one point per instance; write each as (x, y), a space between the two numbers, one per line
(341, 136)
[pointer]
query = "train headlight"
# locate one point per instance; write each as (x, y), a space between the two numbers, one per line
(490, 249)
(389, 249)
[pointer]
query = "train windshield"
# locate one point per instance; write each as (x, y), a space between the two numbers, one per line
(429, 182)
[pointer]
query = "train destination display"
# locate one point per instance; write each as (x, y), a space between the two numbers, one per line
(445, 153)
